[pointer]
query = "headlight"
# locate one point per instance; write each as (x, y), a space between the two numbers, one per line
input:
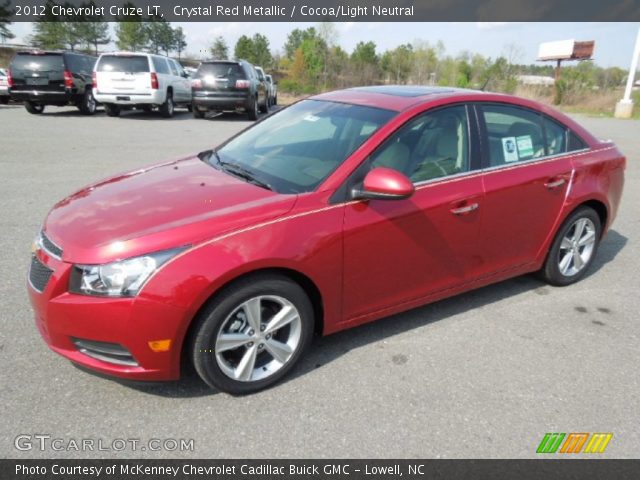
(119, 279)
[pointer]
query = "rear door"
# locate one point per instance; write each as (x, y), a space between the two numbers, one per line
(123, 74)
(526, 177)
(181, 85)
(38, 71)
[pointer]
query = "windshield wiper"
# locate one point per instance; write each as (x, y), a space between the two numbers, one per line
(234, 169)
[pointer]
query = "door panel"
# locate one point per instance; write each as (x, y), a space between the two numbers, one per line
(396, 251)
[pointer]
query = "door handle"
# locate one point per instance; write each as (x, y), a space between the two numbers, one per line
(555, 183)
(465, 210)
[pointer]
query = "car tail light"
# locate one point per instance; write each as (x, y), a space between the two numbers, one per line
(154, 81)
(9, 79)
(94, 80)
(68, 79)
(196, 83)
(243, 83)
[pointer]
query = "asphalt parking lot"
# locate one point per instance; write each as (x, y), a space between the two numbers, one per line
(482, 375)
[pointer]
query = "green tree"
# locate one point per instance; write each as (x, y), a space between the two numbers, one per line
(160, 35)
(179, 41)
(364, 54)
(5, 14)
(261, 53)
(398, 63)
(49, 32)
(219, 49)
(131, 32)
(91, 33)
(295, 39)
(244, 48)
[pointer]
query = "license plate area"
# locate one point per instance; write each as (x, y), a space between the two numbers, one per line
(37, 81)
(122, 98)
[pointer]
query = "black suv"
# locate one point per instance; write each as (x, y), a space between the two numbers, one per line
(52, 78)
(221, 85)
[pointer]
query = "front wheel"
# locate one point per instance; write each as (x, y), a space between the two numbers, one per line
(34, 108)
(252, 334)
(574, 248)
(265, 107)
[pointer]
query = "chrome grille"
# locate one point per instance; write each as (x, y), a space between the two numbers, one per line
(39, 274)
(50, 247)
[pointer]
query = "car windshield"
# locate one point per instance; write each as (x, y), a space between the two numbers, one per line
(294, 150)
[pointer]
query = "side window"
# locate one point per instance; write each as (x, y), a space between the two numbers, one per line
(433, 145)
(72, 62)
(179, 69)
(515, 134)
(172, 66)
(160, 65)
(556, 136)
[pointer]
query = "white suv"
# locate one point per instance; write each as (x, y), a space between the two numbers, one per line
(125, 80)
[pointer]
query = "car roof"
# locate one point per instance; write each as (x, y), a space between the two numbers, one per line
(394, 97)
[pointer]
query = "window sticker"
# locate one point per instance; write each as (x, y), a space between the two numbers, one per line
(525, 146)
(311, 118)
(509, 149)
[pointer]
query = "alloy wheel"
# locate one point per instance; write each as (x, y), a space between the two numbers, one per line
(577, 247)
(258, 338)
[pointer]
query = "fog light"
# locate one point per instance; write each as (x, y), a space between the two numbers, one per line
(160, 345)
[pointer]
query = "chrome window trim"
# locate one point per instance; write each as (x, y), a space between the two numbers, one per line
(536, 160)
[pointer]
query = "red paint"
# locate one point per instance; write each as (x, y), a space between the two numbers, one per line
(367, 258)
(387, 181)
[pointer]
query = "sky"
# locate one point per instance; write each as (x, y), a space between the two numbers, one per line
(614, 41)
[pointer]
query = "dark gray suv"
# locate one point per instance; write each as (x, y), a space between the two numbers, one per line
(40, 78)
(223, 85)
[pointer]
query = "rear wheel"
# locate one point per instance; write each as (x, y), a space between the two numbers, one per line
(197, 113)
(167, 108)
(253, 110)
(34, 108)
(265, 107)
(112, 110)
(253, 334)
(87, 103)
(574, 248)
(4, 100)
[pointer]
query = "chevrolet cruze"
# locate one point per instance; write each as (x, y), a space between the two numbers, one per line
(338, 210)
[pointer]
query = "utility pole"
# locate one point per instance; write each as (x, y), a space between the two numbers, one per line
(624, 108)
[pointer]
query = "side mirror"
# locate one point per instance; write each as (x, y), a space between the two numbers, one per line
(384, 184)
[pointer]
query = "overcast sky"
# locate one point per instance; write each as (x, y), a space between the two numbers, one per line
(614, 41)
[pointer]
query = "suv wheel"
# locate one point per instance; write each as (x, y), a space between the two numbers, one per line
(253, 110)
(573, 249)
(34, 108)
(4, 100)
(112, 110)
(265, 107)
(166, 109)
(197, 113)
(88, 103)
(252, 334)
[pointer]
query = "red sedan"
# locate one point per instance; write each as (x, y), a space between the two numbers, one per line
(336, 211)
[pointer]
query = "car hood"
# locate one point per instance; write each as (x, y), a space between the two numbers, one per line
(156, 208)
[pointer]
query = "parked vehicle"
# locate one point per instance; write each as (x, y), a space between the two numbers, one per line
(221, 85)
(4, 87)
(338, 210)
(41, 78)
(125, 80)
(273, 90)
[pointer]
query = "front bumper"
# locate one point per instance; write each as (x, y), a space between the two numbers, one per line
(155, 97)
(68, 322)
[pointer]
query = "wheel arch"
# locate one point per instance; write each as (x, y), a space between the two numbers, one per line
(307, 284)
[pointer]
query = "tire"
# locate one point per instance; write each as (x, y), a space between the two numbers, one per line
(167, 108)
(33, 108)
(87, 104)
(190, 107)
(112, 110)
(229, 315)
(197, 113)
(275, 100)
(265, 108)
(4, 100)
(573, 249)
(252, 111)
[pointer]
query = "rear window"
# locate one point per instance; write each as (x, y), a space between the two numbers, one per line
(41, 63)
(121, 63)
(221, 70)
